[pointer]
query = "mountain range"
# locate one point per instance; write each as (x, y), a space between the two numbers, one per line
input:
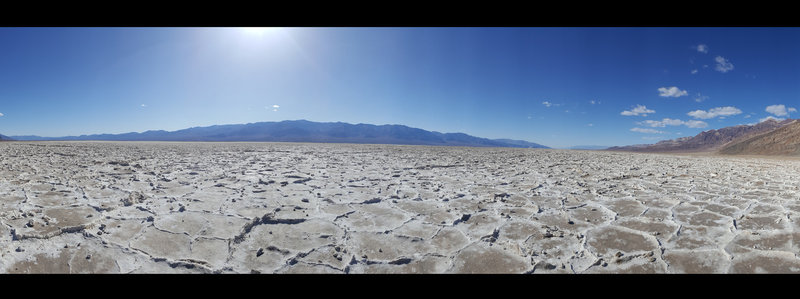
(305, 131)
(770, 137)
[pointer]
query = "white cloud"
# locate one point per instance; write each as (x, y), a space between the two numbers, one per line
(671, 92)
(674, 122)
(547, 104)
(143, 105)
(639, 110)
(702, 48)
(780, 110)
(1, 114)
(771, 117)
(747, 116)
(694, 71)
(662, 123)
(648, 131)
(700, 98)
(723, 65)
(591, 125)
(594, 102)
(715, 112)
(275, 106)
(695, 124)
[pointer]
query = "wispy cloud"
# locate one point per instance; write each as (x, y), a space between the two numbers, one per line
(702, 48)
(694, 71)
(591, 125)
(638, 110)
(780, 110)
(723, 65)
(1, 114)
(143, 105)
(653, 137)
(648, 131)
(674, 122)
(699, 98)
(671, 92)
(715, 112)
(548, 104)
(695, 124)
(274, 107)
(594, 102)
(662, 123)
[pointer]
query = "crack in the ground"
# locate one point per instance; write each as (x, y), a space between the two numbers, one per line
(345, 215)
(264, 220)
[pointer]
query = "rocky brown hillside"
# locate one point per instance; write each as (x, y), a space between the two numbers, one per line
(710, 140)
(782, 141)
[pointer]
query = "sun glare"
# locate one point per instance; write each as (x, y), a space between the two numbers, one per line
(260, 30)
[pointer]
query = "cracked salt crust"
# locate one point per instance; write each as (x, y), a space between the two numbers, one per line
(161, 207)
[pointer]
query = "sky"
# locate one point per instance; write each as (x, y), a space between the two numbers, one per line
(558, 87)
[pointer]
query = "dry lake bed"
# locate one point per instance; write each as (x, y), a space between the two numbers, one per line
(161, 207)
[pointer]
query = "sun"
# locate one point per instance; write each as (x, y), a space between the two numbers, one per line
(260, 31)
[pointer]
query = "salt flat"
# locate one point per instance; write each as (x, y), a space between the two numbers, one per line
(159, 207)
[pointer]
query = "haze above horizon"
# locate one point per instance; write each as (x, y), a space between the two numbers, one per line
(554, 86)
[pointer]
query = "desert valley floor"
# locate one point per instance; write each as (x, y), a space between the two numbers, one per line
(159, 207)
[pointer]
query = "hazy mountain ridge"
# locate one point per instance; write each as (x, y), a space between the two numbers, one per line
(588, 147)
(5, 138)
(305, 131)
(708, 141)
(521, 143)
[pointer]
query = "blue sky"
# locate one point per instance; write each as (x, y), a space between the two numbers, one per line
(555, 86)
